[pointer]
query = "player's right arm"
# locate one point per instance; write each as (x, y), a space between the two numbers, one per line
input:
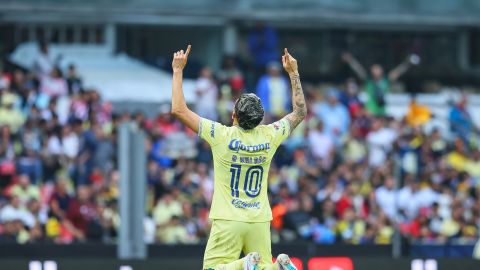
(298, 100)
(179, 107)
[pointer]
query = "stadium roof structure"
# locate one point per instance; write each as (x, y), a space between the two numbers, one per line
(328, 13)
(119, 78)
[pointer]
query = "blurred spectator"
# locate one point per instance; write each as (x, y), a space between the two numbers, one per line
(334, 115)
(354, 149)
(231, 82)
(472, 167)
(205, 181)
(384, 230)
(274, 91)
(44, 63)
(166, 208)
(74, 82)
(417, 114)
(104, 152)
(458, 155)
(412, 198)
(263, 46)
(19, 83)
(25, 191)
(13, 214)
(86, 156)
(461, 123)
(350, 98)
(387, 197)
(70, 144)
(9, 115)
(452, 226)
(380, 141)
(350, 228)
(321, 143)
(84, 216)
(60, 200)
(54, 85)
(231, 76)
(377, 85)
(207, 91)
(110, 220)
(38, 218)
(174, 232)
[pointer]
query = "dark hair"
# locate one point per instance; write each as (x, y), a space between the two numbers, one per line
(249, 111)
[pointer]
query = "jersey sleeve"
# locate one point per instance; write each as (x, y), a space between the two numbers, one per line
(280, 131)
(211, 131)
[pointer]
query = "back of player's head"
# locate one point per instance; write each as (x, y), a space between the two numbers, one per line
(249, 111)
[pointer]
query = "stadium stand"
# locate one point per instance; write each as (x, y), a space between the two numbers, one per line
(331, 182)
(108, 72)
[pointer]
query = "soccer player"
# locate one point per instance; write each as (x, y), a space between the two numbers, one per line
(242, 154)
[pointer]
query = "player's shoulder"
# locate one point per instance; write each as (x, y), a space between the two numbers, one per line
(213, 124)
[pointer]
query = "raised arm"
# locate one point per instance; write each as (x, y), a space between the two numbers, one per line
(398, 71)
(179, 106)
(355, 65)
(298, 100)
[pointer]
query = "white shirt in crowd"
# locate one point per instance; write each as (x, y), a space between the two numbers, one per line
(54, 146)
(149, 230)
(278, 91)
(70, 145)
(386, 199)
(44, 64)
(411, 201)
(207, 188)
(206, 98)
(10, 213)
(321, 144)
(379, 144)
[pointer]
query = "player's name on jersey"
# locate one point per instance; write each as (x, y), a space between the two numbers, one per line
(245, 205)
(249, 160)
(237, 145)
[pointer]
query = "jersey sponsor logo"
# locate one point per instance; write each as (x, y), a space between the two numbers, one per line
(237, 203)
(237, 145)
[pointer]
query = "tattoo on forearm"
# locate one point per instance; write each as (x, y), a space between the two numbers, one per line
(298, 102)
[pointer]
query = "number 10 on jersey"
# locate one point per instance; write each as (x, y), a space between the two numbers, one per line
(252, 183)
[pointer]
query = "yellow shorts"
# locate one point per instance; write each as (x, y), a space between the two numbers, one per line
(228, 239)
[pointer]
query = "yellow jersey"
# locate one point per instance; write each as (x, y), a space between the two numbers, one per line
(241, 161)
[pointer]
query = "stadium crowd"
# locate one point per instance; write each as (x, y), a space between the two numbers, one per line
(349, 173)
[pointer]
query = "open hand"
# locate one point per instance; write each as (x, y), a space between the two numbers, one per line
(180, 59)
(289, 63)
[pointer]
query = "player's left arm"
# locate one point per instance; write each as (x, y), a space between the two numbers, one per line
(298, 99)
(179, 107)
